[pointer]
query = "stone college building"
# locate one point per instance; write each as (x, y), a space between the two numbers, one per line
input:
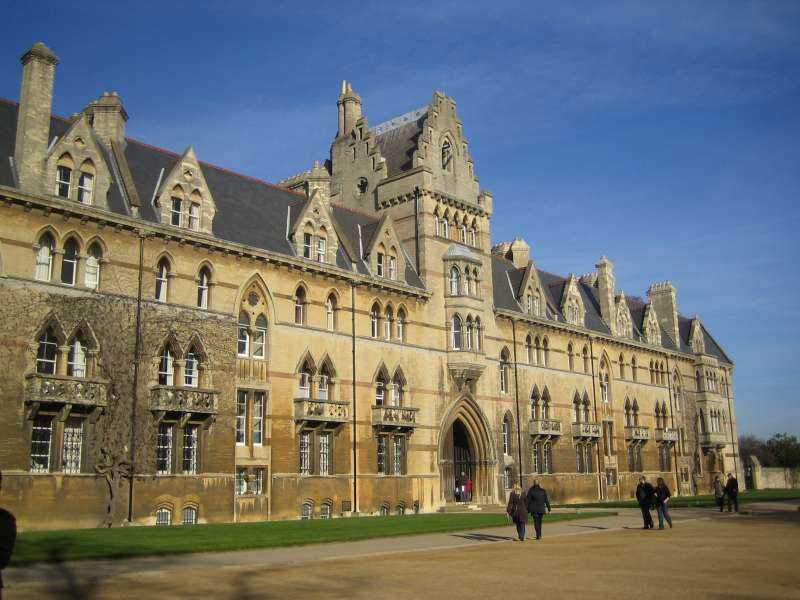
(185, 344)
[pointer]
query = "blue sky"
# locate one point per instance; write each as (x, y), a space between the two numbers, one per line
(664, 135)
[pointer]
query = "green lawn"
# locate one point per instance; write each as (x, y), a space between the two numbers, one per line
(79, 544)
(698, 501)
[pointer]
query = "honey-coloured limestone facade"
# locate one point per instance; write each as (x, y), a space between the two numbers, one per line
(185, 344)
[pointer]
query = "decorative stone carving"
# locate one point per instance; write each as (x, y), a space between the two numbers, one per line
(185, 400)
(321, 411)
(586, 430)
(394, 416)
(667, 434)
(545, 427)
(638, 433)
(65, 390)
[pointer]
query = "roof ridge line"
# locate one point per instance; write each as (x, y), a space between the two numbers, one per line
(217, 167)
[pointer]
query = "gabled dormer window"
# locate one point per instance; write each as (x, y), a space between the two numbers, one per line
(176, 211)
(380, 260)
(194, 216)
(85, 185)
(322, 249)
(63, 176)
(307, 245)
(393, 267)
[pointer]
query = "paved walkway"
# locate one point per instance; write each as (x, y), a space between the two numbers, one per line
(296, 555)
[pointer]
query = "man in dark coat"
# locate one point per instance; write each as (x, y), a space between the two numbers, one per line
(732, 492)
(645, 494)
(537, 503)
(8, 535)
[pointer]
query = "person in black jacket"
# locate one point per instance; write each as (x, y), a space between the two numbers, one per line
(644, 496)
(732, 492)
(537, 503)
(8, 535)
(516, 510)
(662, 503)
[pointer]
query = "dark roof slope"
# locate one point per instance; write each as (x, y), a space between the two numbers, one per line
(397, 145)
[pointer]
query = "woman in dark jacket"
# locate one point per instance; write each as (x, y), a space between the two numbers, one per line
(517, 511)
(662, 500)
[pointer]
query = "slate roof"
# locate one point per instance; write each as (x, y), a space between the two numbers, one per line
(505, 276)
(249, 211)
(397, 145)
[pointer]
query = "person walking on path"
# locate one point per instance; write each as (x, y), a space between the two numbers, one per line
(516, 510)
(537, 503)
(644, 496)
(662, 503)
(469, 489)
(732, 492)
(719, 493)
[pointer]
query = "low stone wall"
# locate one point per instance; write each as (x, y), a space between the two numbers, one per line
(773, 477)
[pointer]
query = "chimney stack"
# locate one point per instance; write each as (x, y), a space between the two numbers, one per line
(33, 117)
(606, 291)
(108, 118)
(349, 105)
(519, 253)
(664, 300)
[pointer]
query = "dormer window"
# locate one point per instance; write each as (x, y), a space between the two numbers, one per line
(175, 211)
(85, 187)
(380, 260)
(307, 245)
(63, 180)
(392, 267)
(322, 249)
(194, 216)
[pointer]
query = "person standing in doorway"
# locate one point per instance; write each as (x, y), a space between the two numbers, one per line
(719, 493)
(662, 503)
(469, 489)
(537, 503)
(732, 492)
(516, 510)
(644, 496)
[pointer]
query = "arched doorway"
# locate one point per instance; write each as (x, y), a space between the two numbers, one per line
(465, 452)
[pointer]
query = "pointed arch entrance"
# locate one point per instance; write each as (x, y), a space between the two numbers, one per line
(466, 451)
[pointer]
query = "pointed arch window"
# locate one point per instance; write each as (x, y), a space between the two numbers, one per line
(397, 392)
(455, 281)
(401, 325)
(176, 211)
(456, 333)
(585, 354)
(392, 267)
(535, 405)
(506, 435)
(76, 359)
(576, 407)
(621, 366)
(63, 177)
(447, 156)
(537, 346)
(304, 387)
(300, 306)
(191, 369)
(44, 258)
(571, 356)
(203, 287)
(445, 227)
(545, 352)
(69, 262)
(323, 385)
(243, 335)
(633, 368)
(374, 320)
(469, 333)
(387, 323)
(330, 313)
(462, 230)
(47, 353)
(194, 216)
(166, 367)
(546, 404)
(86, 183)
(504, 371)
(528, 352)
(162, 280)
(478, 334)
(92, 269)
(380, 390)
(473, 236)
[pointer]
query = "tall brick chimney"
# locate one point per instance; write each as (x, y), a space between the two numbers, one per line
(605, 290)
(33, 118)
(108, 118)
(349, 105)
(664, 299)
